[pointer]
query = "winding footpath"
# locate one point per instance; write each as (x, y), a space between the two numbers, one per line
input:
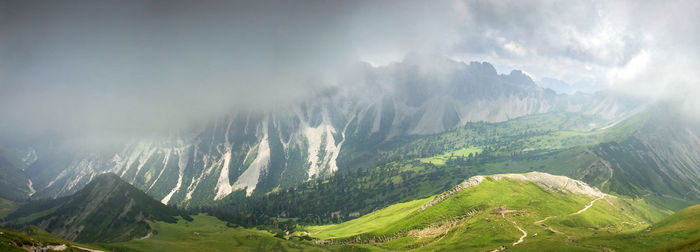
(540, 223)
(521, 237)
(587, 206)
(87, 249)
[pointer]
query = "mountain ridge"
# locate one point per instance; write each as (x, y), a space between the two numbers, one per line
(309, 141)
(501, 211)
(107, 209)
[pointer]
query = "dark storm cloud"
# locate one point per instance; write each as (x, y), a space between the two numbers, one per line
(139, 65)
(129, 67)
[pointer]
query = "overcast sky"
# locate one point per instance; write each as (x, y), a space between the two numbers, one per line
(106, 64)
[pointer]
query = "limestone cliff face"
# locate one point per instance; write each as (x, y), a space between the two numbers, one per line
(259, 151)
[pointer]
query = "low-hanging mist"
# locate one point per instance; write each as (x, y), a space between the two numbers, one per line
(114, 69)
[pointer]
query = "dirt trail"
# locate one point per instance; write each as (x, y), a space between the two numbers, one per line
(521, 237)
(539, 223)
(87, 249)
(587, 206)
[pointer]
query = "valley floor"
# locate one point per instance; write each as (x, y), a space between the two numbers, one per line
(207, 233)
(534, 219)
(576, 224)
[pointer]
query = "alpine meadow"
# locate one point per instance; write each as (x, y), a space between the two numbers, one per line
(449, 125)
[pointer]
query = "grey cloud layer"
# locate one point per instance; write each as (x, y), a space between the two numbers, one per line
(131, 66)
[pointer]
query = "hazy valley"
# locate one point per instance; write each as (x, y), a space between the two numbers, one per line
(372, 126)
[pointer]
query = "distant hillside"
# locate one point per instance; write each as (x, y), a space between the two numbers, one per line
(678, 232)
(660, 159)
(35, 239)
(684, 224)
(566, 144)
(106, 210)
(14, 185)
(257, 152)
(531, 211)
(206, 233)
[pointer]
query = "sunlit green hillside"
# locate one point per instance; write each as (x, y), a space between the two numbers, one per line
(526, 212)
(206, 233)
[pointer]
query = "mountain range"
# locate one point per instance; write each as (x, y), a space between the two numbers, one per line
(407, 160)
(259, 151)
(106, 210)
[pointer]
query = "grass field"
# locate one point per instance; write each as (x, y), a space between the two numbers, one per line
(609, 224)
(7, 207)
(206, 233)
(367, 223)
(440, 160)
(34, 236)
(678, 232)
(465, 221)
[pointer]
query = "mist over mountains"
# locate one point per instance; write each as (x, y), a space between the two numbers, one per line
(260, 150)
(181, 64)
(335, 126)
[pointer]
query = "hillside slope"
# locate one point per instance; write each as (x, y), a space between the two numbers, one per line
(108, 209)
(256, 152)
(35, 239)
(678, 232)
(557, 143)
(206, 233)
(524, 211)
(14, 185)
(660, 159)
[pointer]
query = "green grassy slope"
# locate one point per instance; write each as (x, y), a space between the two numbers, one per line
(368, 223)
(34, 236)
(465, 220)
(418, 167)
(13, 182)
(7, 207)
(661, 160)
(206, 233)
(440, 160)
(107, 209)
(678, 232)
